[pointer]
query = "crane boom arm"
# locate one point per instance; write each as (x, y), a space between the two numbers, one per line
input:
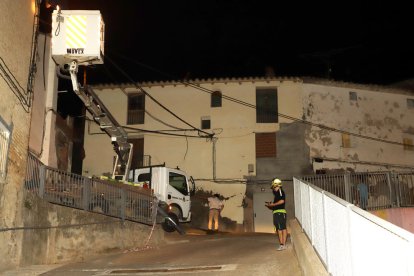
(107, 123)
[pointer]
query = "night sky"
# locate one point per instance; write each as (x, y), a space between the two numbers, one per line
(166, 40)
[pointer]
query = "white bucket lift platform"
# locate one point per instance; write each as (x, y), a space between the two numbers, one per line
(77, 35)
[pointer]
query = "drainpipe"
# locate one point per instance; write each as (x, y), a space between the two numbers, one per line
(214, 140)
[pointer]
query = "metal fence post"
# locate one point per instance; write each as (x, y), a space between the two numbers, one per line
(42, 180)
(397, 188)
(123, 204)
(392, 181)
(86, 192)
(347, 183)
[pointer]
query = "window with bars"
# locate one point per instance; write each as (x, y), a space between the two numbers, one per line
(216, 99)
(136, 109)
(353, 96)
(266, 106)
(4, 148)
(205, 122)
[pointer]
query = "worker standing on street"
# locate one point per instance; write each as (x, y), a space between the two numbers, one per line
(279, 212)
(215, 205)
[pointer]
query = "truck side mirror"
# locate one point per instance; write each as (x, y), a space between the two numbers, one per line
(192, 188)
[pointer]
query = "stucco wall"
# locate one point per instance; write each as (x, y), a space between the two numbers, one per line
(16, 26)
(374, 114)
(55, 234)
(234, 125)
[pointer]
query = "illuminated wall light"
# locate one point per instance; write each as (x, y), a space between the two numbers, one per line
(33, 6)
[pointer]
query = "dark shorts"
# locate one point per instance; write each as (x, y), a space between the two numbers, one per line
(279, 221)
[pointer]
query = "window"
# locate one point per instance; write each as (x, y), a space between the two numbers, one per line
(266, 106)
(4, 148)
(408, 144)
(144, 177)
(205, 122)
(410, 103)
(136, 109)
(137, 160)
(216, 99)
(353, 96)
(265, 145)
(179, 182)
(346, 140)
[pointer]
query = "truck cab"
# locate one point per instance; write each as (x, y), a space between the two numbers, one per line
(171, 186)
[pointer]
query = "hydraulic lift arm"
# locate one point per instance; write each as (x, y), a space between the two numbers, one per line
(107, 123)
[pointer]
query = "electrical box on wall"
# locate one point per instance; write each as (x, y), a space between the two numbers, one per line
(77, 35)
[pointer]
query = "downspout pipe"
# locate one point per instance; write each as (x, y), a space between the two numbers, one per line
(214, 140)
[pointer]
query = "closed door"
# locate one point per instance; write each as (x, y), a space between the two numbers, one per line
(263, 217)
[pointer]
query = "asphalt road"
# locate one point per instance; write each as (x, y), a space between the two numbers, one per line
(195, 253)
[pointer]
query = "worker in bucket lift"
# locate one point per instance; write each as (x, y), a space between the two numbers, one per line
(279, 212)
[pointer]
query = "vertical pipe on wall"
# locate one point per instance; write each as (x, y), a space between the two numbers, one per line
(214, 140)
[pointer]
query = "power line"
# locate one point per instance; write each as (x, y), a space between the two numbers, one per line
(162, 132)
(209, 135)
(203, 89)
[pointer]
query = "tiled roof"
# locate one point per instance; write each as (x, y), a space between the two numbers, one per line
(400, 89)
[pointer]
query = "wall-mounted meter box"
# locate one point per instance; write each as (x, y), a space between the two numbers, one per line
(77, 36)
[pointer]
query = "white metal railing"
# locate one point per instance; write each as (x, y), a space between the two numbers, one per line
(385, 189)
(4, 149)
(349, 240)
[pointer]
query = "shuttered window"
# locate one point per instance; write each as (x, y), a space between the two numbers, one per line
(346, 140)
(265, 145)
(408, 144)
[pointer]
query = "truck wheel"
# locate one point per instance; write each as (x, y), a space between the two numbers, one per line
(167, 225)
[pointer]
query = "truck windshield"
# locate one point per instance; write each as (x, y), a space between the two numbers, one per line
(179, 182)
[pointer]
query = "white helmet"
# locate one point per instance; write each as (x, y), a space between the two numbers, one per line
(276, 182)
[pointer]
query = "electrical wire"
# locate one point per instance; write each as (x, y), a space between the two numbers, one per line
(321, 126)
(164, 133)
(161, 132)
(14, 85)
(162, 122)
(208, 135)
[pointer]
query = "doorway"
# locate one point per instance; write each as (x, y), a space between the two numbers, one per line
(262, 216)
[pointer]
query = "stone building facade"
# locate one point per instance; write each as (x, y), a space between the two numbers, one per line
(17, 27)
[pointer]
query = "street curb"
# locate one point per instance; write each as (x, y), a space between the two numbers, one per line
(309, 261)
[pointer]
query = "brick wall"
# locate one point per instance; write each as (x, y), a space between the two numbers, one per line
(16, 26)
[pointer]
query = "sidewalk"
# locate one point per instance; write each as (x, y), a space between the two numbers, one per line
(32, 270)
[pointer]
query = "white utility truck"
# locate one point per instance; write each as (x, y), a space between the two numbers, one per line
(78, 39)
(173, 189)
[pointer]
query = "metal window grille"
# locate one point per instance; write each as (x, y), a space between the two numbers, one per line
(353, 96)
(216, 99)
(4, 149)
(266, 106)
(205, 122)
(136, 109)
